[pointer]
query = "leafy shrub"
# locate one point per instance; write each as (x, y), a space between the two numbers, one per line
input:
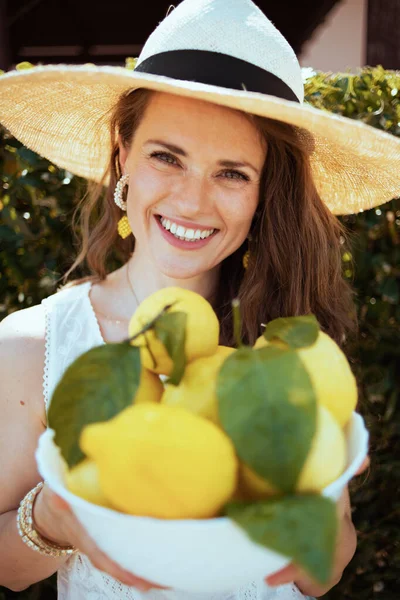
(36, 248)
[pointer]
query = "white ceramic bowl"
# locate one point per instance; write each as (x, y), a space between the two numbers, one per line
(212, 555)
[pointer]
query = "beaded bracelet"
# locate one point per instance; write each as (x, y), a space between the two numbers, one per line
(28, 533)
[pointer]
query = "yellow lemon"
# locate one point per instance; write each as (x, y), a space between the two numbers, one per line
(162, 461)
(261, 342)
(331, 376)
(325, 462)
(83, 481)
(330, 373)
(150, 388)
(197, 389)
(202, 327)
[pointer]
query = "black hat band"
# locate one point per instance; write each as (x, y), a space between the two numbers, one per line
(215, 68)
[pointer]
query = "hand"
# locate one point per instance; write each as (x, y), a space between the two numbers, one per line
(55, 521)
(345, 549)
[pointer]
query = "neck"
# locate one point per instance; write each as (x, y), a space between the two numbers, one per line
(147, 279)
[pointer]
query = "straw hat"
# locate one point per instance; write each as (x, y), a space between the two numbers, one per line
(226, 52)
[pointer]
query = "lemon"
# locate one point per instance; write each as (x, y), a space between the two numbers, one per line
(330, 373)
(261, 342)
(197, 389)
(202, 327)
(162, 461)
(331, 376)
(326, 460)
(150, 388)
(83, 481)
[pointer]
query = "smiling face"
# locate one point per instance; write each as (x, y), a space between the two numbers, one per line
(194, 175)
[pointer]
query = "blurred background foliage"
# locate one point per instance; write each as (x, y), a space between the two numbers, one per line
(36, 247)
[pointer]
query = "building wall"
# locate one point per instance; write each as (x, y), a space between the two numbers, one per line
(339, 43)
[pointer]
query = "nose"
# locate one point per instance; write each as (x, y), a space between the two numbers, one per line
(193, 197)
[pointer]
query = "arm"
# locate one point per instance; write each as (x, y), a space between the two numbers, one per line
(22, 422)
(345, 549)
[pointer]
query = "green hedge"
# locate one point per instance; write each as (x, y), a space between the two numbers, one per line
(36, 247)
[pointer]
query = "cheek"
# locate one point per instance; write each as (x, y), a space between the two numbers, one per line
(237, 210)
(145, 189)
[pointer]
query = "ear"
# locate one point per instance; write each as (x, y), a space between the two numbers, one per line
(123, 155)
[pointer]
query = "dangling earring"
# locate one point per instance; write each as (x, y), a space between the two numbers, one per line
(246, 255)
(124, 229)
(245, 259)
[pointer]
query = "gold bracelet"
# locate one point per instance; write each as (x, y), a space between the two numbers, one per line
(28, 533)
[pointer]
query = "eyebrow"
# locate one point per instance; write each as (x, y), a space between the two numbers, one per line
(223, 163)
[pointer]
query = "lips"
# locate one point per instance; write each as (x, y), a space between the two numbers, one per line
(187, 224)
(191, 240)
(189, 234)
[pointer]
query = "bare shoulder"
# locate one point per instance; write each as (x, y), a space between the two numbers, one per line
(27, 319)
(22, 353)
(23, 418)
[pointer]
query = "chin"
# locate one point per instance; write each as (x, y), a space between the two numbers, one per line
(176, 268)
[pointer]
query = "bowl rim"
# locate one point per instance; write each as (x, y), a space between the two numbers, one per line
(356, 423)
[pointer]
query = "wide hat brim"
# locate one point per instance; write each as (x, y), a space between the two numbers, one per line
(62, 112)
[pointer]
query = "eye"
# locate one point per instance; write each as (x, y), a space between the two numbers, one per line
(236, 175)
(164, 157)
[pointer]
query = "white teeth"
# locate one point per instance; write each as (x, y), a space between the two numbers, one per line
(182, 233)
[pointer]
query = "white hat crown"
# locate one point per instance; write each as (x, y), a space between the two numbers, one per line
(230, 28)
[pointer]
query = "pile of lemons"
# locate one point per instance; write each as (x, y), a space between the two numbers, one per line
(167, 456)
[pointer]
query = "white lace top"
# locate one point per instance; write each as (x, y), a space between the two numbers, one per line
(71, 329)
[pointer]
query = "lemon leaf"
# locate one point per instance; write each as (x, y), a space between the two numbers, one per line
(94, 388)
(301, 527)
(170, 329)
(298, 332)
(267, 406)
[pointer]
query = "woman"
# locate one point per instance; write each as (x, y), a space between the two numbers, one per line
(205, 186)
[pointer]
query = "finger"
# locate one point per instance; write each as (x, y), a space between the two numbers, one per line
(145, 584)
(285, 575)
(103, 563)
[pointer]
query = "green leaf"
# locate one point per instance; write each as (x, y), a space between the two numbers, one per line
(170, 329)
(96, 386)
(267, 406)
(301, 527)
(298, 332)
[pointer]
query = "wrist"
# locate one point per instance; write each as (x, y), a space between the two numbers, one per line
(308, 587)
(40, 510)
(345, 549)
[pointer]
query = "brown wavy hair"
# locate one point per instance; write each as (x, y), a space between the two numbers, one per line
(296, 246)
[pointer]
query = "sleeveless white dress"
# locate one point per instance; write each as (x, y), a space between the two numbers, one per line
(71, 329)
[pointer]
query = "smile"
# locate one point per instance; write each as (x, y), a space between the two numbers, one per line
(184, 233)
